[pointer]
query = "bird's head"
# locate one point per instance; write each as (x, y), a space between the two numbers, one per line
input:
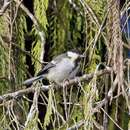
(74, 55)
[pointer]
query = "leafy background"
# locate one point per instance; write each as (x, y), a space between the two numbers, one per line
(92, 26)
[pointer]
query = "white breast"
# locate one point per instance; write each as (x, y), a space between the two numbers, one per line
(61, 72)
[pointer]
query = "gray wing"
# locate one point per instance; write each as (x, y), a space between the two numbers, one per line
(46, 68)
(51, 64)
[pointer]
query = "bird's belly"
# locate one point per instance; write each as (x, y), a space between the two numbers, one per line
(60, 72)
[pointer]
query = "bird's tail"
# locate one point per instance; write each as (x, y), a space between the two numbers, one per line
(31, 80)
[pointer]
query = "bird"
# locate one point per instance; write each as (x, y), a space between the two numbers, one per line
(63, 67)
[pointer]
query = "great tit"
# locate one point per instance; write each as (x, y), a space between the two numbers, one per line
(62, 67)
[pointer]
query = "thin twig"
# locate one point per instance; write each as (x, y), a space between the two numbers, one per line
(111, 119)
(77, 125)
(5, 6)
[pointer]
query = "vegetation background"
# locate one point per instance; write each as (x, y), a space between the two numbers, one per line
(32, 32)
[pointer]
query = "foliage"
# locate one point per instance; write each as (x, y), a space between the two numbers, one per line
(20, 28)
(65, 28)
(93, 27)
(49, 109)
(3, 55)
(40, 7)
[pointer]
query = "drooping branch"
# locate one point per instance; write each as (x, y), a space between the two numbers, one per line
(32, 17)
(37, 26)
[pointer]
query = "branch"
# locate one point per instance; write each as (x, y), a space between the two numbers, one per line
(76, 80)
(3, 78)
(4, 7)
(16, 94)
(6, 40)
(34, 108)
(88, 77)
(77, 125)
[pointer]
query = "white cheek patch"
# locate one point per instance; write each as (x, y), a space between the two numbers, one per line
(72, 54)
(53, 62)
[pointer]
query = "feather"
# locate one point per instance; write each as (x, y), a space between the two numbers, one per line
(31, 80)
